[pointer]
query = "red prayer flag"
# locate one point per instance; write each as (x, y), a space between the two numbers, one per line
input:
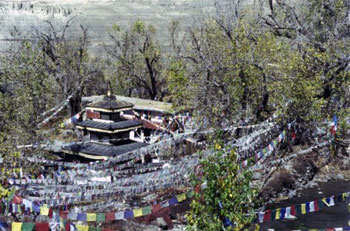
(197, 189)
(110, 216)
(294, 135)
(67, 226)
(156, 208)
(332, 130)
(17, 200)
(41, 226)
(50, 213)
(316, 205)
(292, 210)
(267, 215)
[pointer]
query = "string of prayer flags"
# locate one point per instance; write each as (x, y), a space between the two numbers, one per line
(265, 151)
(43, 226)
(326, 229)
(294, 210)
(73, 119)
(45, 210)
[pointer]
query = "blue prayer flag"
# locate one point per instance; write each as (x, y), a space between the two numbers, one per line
(128, 214)
(173, 201)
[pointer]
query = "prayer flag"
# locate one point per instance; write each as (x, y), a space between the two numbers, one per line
(111, 216)
(278, 214)
(82, 217)
(303, 208)
(94, 229)
(137, 212)
(307, 207)
(312, 206)
(335, 120)
(4, 226)
(189, 194)
(27, 226)
(119, 215)
(181, 197)
(316, 205)
(328, 201)
(273, 215)
(100, 217)
(83, 228)
(16, 226)
(91, 217)
(321, 204)
(156, 208)
(44, 210)
(267, 215)
(288, 212)
(146, 210)
(73, 216)
(298, 209)
(128, 214)
(42, 227)
(261, 217)
(172, 201)
(283, 213)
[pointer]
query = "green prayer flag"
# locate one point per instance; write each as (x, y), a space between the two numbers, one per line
(94, 229)
(321, 205)
(100, 217)
(189, 194)
(146, 210)
(27, 226)
(273, 215)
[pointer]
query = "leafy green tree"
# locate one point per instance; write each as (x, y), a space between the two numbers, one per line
(227, 186)
(26, 91)
(316, 67)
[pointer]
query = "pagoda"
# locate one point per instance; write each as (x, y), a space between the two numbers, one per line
(105, 132)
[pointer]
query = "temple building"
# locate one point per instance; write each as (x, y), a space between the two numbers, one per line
(106, 133)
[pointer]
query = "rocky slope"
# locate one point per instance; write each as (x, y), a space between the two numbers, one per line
(98, 15)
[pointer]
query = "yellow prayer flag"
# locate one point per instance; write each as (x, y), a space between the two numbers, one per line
(324, 200)
(303, 208)
(278, 214)
(16, 226)
(344, 195)
(83, 228)
(91, 217)
(181, 197)
(44, 210)
(137, 212)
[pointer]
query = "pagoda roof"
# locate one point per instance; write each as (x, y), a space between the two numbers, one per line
(113, 127)
(139, 104)
(109, 103)
(94, 150)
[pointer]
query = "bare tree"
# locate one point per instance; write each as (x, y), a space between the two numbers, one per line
(66, 53)
(138, 58)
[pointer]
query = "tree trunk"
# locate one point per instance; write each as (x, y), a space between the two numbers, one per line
(75, 103)
(153, 93)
